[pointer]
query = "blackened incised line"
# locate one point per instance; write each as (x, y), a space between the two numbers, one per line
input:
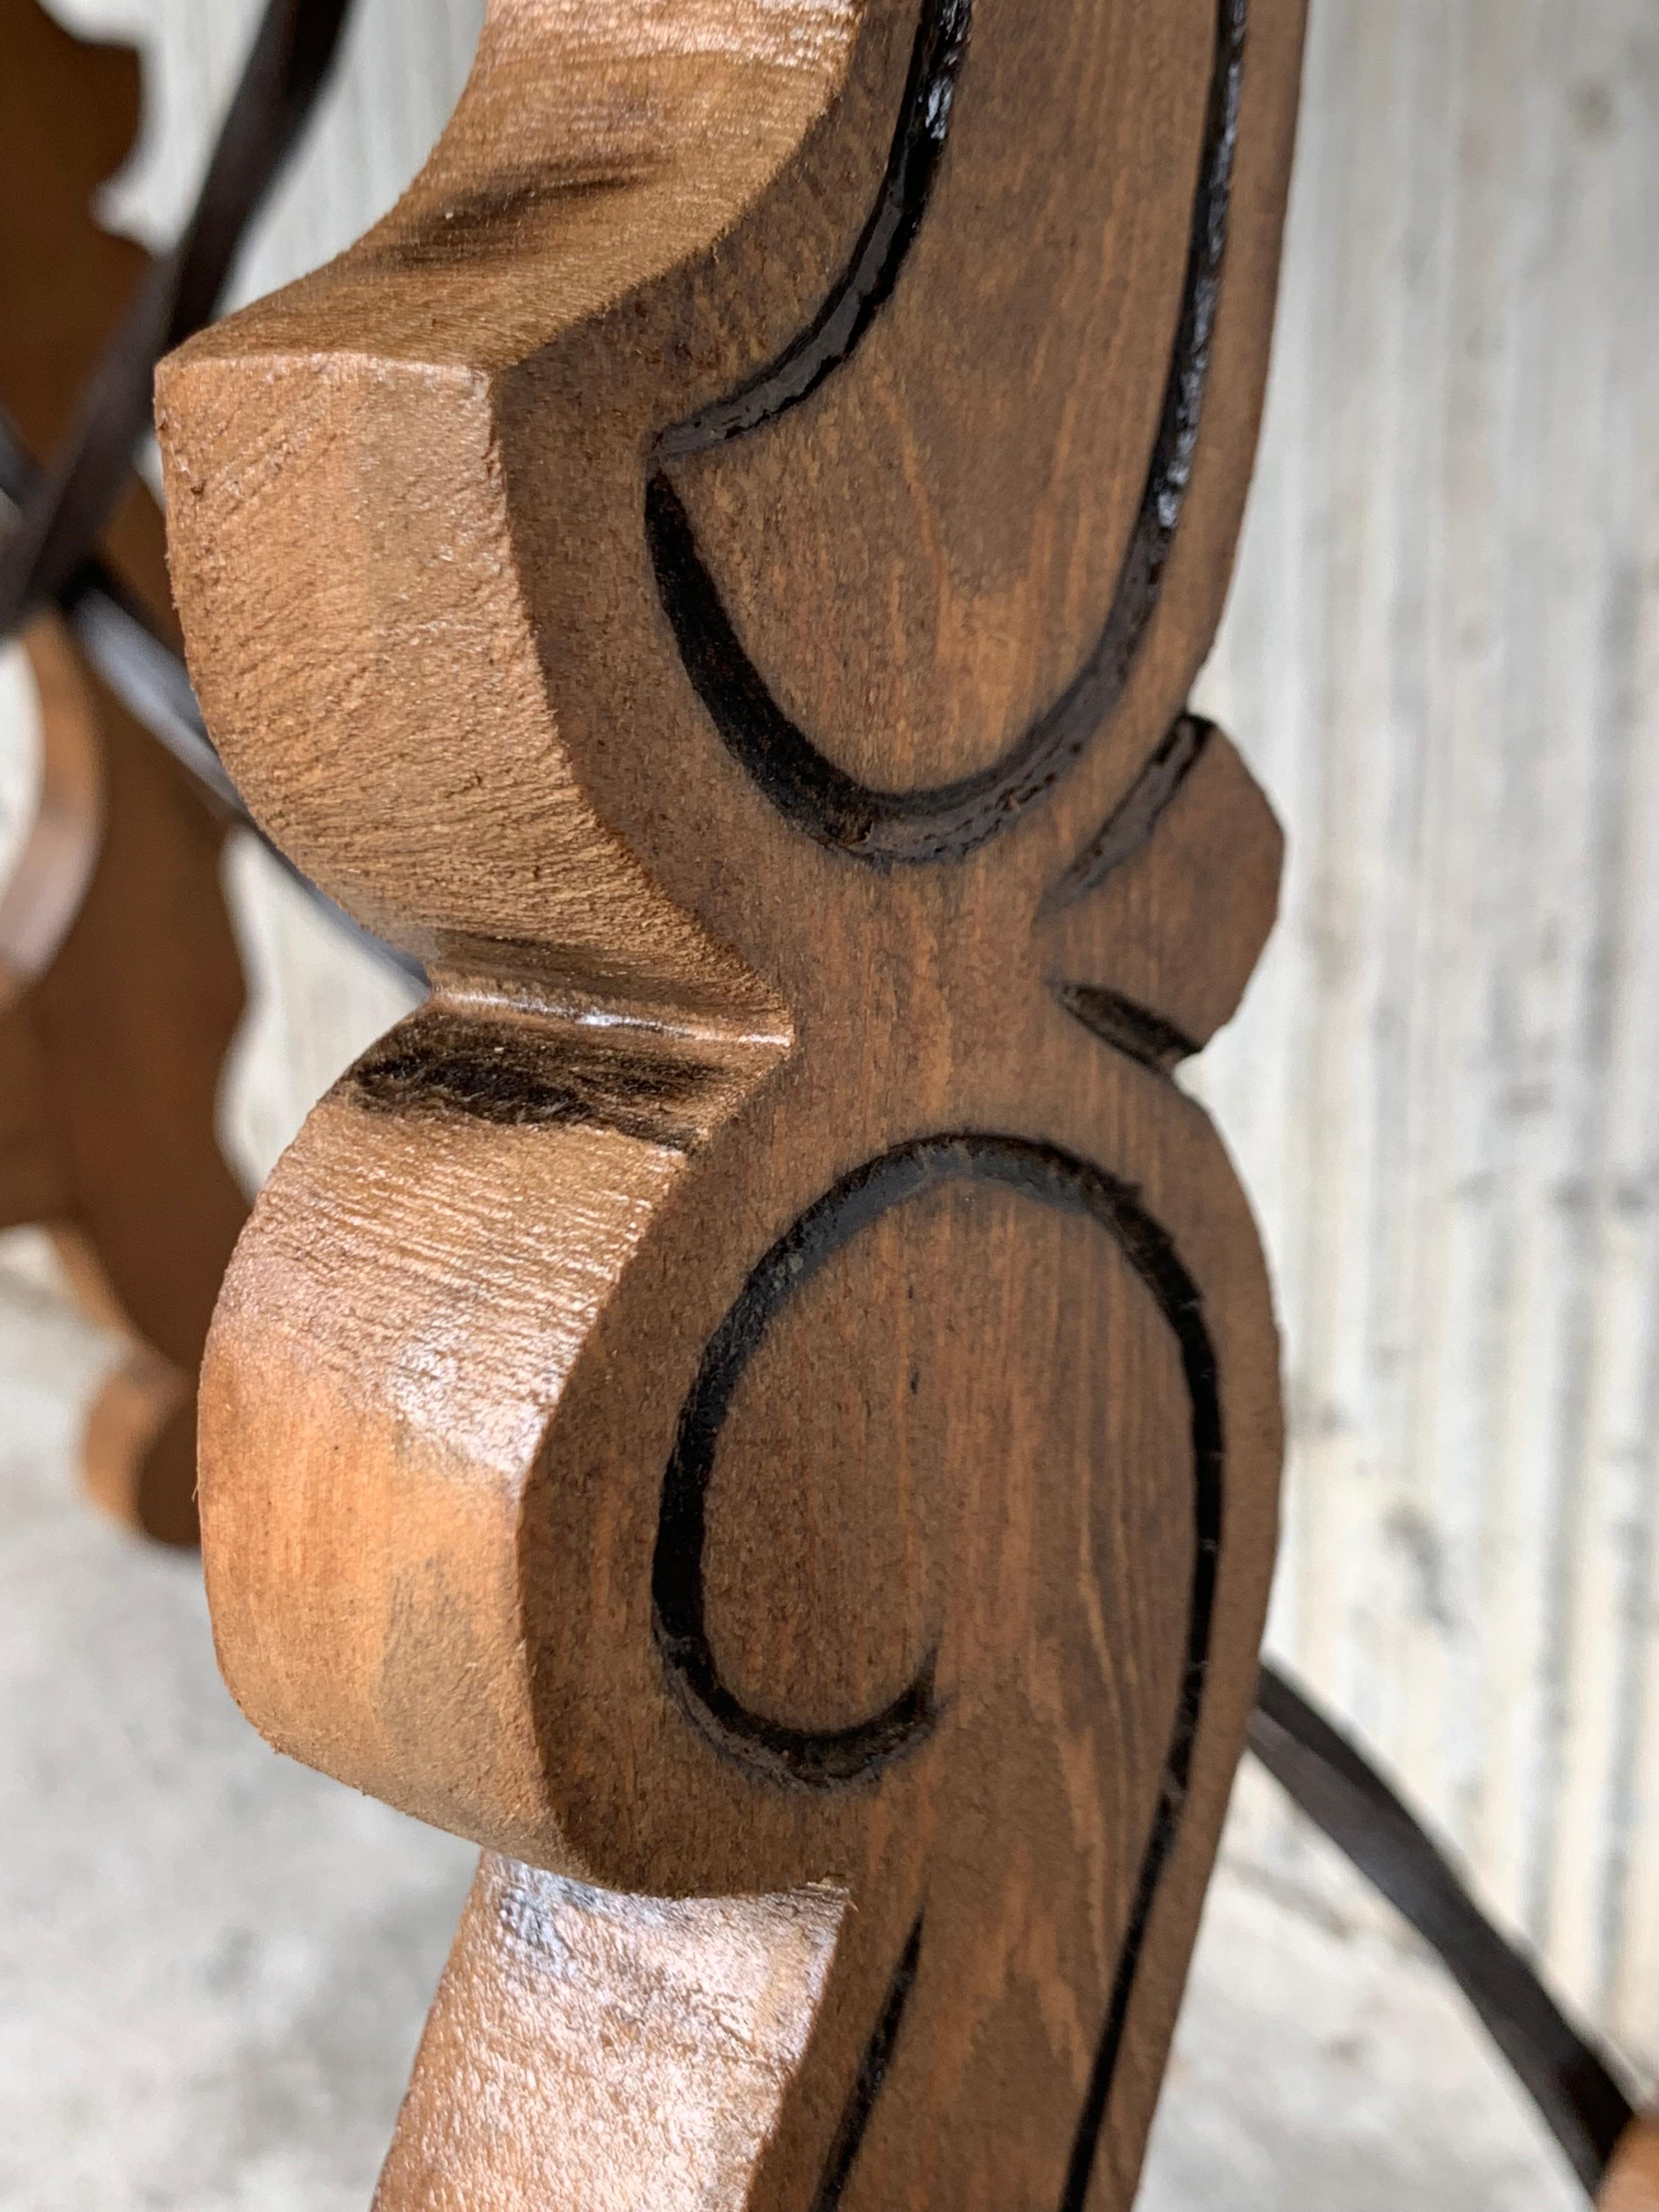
(872, 2074)
(1125, 1025)
(866, 283)
(948, 820)
(1053, 1177)
(1178, 1296)
(812, 1759)
(1130, 825)
(805, 787)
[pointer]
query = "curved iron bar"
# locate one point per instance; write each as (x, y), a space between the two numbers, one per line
(1321, 1771)
(286, 69)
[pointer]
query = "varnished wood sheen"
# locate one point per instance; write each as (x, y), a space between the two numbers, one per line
(759, 1403)
(121, 985)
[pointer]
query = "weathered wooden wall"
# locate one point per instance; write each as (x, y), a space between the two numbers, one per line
(1442, 659)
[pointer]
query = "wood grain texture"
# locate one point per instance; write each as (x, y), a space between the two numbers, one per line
(121, 985)
(763, 1390)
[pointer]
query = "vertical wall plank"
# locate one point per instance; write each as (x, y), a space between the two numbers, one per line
(1441, 655)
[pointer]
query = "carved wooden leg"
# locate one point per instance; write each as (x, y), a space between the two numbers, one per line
(759, 1402)
(120, 987)
(112, 1052)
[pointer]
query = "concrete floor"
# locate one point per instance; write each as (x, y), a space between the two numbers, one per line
(213, 1964)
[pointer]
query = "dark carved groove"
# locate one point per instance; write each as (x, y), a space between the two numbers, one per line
(872, 2074)
(1128, 827)
(866, 283)
(948, 820)
(823, 1759)
(1127, 1026)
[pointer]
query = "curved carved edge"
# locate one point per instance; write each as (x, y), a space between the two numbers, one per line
(560, 195)
(452, 1363)
(123, 987)
(447, 1602)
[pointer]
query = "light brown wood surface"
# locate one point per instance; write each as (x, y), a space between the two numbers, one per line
(1632, 2181)
(759, 1403)
(121, 985)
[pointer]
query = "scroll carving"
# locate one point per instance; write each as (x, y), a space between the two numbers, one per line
(759, 1402)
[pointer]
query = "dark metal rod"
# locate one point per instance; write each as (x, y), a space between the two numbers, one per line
(1582, 2105)
(66, 513)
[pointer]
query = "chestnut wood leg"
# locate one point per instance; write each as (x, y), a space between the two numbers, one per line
(759, 1402)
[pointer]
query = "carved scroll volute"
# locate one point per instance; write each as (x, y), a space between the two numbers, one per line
(762, 1394)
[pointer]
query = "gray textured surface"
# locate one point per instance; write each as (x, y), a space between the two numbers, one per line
(1442, 658)
(1324, 2065)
